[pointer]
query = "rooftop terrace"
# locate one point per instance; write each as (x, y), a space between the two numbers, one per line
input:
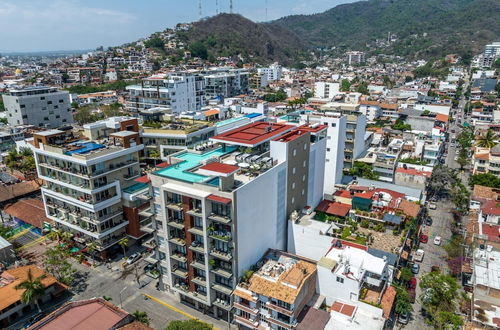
(252, 135)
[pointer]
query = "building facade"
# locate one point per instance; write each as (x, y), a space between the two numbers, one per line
(39, 106)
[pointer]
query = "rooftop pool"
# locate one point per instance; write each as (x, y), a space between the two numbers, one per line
(180, 171)
(85, 147)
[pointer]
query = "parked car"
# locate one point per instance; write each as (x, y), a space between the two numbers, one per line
(149, 267)
(413, 295)
(133, 258)
(413, 283)
(424, 238)
(432, 206)
(415, 268)
(404, 318)
(437, 240)
(428, 221)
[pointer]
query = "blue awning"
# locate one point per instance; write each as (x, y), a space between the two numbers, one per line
(391, 218)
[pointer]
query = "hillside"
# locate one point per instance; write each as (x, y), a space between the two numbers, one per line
(231, 35)
(452, 26)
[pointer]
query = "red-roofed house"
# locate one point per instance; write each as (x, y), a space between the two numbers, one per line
(411, 177)
(334, 208)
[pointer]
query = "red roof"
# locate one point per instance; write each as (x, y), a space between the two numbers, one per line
(491, 207)
(388, 300)
(219, 199)
(442, 117)
(366, 194)
(334, 208)
(492, 231)
(343, 193)
(163, 165)
(220, 168)
(31, 211)
(347, 243)
(143, 179)
(253, 134)
(343, 308)
(412, 171)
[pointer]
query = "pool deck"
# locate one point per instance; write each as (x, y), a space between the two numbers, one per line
(191, 160)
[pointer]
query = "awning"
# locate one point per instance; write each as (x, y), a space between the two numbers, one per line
(219, 199)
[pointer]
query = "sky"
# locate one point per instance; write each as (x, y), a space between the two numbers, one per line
(45, 25)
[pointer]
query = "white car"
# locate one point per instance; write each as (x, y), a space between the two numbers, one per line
(437, 240)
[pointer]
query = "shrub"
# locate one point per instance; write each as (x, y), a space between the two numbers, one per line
(365, 223)
(380, 227)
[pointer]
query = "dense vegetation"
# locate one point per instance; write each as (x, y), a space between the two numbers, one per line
(451, 26)
(115, 86)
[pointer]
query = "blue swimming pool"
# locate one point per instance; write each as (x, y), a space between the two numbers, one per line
(180, 170)
(85, 147)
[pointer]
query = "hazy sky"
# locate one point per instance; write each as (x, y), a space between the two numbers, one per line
(36, 25)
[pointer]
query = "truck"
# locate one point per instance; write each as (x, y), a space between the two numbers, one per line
(419, 255)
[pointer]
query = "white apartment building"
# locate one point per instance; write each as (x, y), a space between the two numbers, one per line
(206, 202)
(273, 72)
(326, 90)
(39, 106)
(179, 92)
(335, 146)
(355, 57)
(84, 182)
(371, 109)
(224, 82)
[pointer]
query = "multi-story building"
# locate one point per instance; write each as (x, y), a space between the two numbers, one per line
(223, 82)
(179, 92)
(273, 72)
(39, 106)
(9, 136)
(326, 90)
(355, 57)
(85, 181)
(491, 53)
(335, 146)
(276, 293)
(212, 231)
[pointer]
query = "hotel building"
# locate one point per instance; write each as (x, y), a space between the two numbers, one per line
(220, 210)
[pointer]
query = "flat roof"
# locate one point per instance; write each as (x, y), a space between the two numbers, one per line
(49, 132)
(253, 134)
(218, 169)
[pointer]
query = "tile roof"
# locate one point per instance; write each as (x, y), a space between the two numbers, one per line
(412, 171)
(8, 192)
(163, 165)
(253, 134)
(411, 209)
(211, 112)
(334, 208)
(492, 231)
(219, 199)
(491, 207)
(12, 277)
(442, 117)
(95, 314)
(30, 210)
(485, 192)
(143, 179)
(388, 300)
(342, 308)
(312, 318)
(220, 168)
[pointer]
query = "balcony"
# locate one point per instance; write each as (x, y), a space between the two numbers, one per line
(180, 272)
(196, 230)
(178, 256)
(222, 272)
(224, 304)
(200, 280)
(178, 241)
(273, 306)
(226, 256)
(176, 224)
(252, 324)
(222, 288)
(220, 218)
(195, 212)
(198, 264)
(146, 213)
(131, 176)
(245, 308)
(281, 322)
(224, 236)
(197, 247)
(174, 206)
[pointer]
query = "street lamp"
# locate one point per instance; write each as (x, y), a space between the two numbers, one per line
(120, 294)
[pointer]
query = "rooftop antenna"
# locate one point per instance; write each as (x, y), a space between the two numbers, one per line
(199, 8)
(266, 10)
(230, 6)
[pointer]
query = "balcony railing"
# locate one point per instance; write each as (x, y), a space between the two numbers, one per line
(177, 241)
(227, 256)
(181, 272)
(196, 230)
(220, 218)
(196, 212)
(197, 247)
(176, 206)
(226, 273)
(277, 308)
(225, 236)
(178, 256)
(176, 224)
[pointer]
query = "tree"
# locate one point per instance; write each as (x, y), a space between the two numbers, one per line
(123, 243)
(401, 126)
(155, 42)
(5, 231)
(363, 88)
(33, 289)
(485, 179)
(198, 49)
(56, 264)
(363, 170)
(406, 274)
(403, 304)
(141, 317)
(439, 297)
(487, 140)
(91, 247)
(345, 85)
(188, 325)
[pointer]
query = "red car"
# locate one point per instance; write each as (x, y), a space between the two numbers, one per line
(413, 283)
(424, 238)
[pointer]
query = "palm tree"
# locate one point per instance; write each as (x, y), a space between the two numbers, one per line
(141, 317)
(91, 247)
(487, 140)
(33, 289)
(123, 243)
(55, 235)
(155, 154)
(66, 236)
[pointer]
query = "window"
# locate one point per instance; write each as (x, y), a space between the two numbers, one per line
(294, 152)
(42, 98)
(23, 106)
(303, 192)
(25, 116)
(334, 124)
(157, 208)
(304, 163)
(46, 118)
(293, 185)
(293, 200)
(328, 149)
(305, 146)
(49, 102)
(303, 178)
(327, 160)
(56, 106)
(61, 101)
(57, 116)
(156, 192)
(293, 170)
(340, 279)
(64, 120)
(329, 137)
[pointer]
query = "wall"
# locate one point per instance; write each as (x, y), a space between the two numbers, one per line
(260, 217)
(333, 290)
(316, 172)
